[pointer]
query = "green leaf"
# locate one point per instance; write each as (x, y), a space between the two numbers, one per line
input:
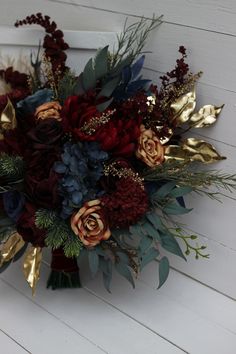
(180, 191)
(123, 257)
(101, 63)
(175, 209)
(89, 79)
(106, 267)
(125, 272)
(164, 268)
(79, 89)
(145, 243)
(104, 105)
(72, 246)
(151, 231)
(155, 220)
(164, 190)
(136, 230)
(93, 261)
(152, 254)
(170, 244)
(109, 87)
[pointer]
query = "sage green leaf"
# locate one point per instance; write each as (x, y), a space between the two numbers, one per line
(102, 106)
(155, 220)
(125, 272)
(151, 231)
(93, 261)
(164, 190)
(164, 268)
(145, 243)
(109, 87)
(101, 63)
(89, 79)
(175, 209)
(150, 255)
(180, 191)
(136, 230)
(170, 244)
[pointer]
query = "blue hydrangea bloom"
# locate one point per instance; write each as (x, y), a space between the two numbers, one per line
(13, 202)
(81, 167)
(30, 103)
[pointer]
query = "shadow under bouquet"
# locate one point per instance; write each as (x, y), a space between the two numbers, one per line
(97, 165)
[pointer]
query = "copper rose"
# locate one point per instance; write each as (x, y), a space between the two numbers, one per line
(90, 225)
(150, 150)
(49, 110)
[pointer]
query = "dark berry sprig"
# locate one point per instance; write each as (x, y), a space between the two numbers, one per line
(53, 44)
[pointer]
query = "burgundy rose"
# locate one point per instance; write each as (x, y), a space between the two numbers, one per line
(41, 180)
(27, 229)
(46, 134)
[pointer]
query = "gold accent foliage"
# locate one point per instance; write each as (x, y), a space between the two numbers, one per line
(151, 101)
(7, 118)
(31, 266)
(183, 107)
(192, 149)
(164, 134)
(199, 150)
(122, 172)
(10, 248)
(91, 126)
(205, 116)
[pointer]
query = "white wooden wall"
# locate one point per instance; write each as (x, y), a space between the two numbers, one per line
(188, 315)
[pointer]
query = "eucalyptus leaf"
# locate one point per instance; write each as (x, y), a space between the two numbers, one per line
(175, 209)
(125, 272)
(145, 243)
(102, 106)
(180, 191)
(101, 63)
(164, 268)
(93, 261)
(164, 190)
(109, 87)
(150, 255)
(89, 79)
(151, 231)
(170, 244)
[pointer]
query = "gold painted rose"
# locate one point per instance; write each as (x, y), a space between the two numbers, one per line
(150, 150)
(49, 110)
(90, 224)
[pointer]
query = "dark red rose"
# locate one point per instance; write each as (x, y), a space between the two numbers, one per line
(13, 143)
(41, 180)
(46, 135)
(27, 228)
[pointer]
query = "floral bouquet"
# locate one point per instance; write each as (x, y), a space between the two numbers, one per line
(97, 165)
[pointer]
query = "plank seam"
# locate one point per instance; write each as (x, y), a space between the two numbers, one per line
(15, 341)
(53, 315)
(138, 16)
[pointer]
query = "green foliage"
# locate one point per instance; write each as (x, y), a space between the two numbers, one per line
(66, 86)
(59, 233)
(11, 168)
(164, 268)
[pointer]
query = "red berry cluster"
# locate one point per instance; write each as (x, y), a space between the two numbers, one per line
(53, 44)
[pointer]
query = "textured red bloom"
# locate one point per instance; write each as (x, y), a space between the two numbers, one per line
(127, 204)
(119, 135)
(27, 229)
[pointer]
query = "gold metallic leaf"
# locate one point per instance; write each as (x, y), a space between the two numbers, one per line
(206, 116)
(175, 153)
(31, 266)
(183, 107)
(199, 150)
(8, 117)
(10, 248)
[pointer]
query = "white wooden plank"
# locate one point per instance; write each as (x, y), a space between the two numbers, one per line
(9, 346)
(188, 327)
(37, 330)
(85, 313)
(12, 36)
(194, 296)
(209, 15)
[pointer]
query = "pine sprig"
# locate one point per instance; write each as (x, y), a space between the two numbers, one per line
(200, 181)
(11, 167)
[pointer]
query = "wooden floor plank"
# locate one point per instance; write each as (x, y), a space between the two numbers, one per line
(194, 330)
(108, 327)
(10, 346)
(37, 330)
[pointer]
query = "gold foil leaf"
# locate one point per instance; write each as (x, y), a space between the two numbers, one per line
(199, 150)
(31, 266)
(10, 248)
(8, 117)
(206, 116)
(175, 153)
(183, 107)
